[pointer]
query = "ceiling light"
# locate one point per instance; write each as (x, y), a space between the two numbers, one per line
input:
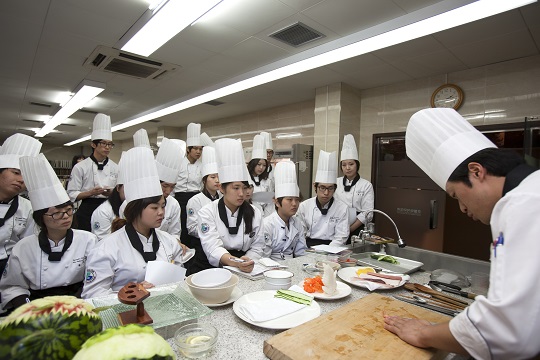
(86, 91)
(288, 135)
(165, 22)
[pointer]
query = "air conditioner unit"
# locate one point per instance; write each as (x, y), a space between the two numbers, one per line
(124, 63)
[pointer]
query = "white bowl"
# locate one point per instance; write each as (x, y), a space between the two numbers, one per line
(211, 278)
(196, 340)
(269, 286)
(278, 277)
(214, 295)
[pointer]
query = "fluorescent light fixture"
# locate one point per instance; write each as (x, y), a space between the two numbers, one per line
(167, 21)
(378, 37)
(288, 135)
(86, 91)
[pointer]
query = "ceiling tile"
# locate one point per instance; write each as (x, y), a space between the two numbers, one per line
(256, 52)
(412, 5)
(438, 62)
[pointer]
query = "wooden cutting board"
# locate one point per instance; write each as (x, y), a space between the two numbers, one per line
(354, 331)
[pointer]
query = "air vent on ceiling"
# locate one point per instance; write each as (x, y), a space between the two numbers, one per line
(123, 63)
(88, 111)
(67, 125)
(214, 103)
(33, 121)
(154, 121)
(40, 104)
(297, 34)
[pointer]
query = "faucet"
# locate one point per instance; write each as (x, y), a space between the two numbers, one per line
(366, 233)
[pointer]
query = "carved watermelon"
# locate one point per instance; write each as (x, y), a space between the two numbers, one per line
(53, 327)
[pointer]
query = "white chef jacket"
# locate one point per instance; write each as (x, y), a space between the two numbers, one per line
(361, 197)
(171, 219)
(215, 237)
(266, 185)
(334, 226)
(29, 267)
(282, 242)
(17, 227)
(86, 176)
(506, 324)
(189, 176)
(193, 206)
(114, 262)
(102, 219)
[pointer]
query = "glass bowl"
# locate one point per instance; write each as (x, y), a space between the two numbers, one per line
(196, 340)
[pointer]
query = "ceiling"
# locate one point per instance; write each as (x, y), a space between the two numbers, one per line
(46, 43)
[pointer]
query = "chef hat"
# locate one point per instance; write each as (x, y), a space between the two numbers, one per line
(101, 130)
(349, 150)
(193, 135)
(121, 177)
(259, 148)
(140, 138)
(16, 146)
(182, 146)
(285, 179)
(168, 160)
(205, 140)
(44, 188)
(327, 168)
(438, 140)
(141, 179)
(268, 140)
(230, 159)
(209, 161)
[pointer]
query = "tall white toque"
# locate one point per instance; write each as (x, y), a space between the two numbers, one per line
(285, 179)
(268, 140)
(194, 135)
(16, 146)
(141, 179)
(349, 150)
(120, 178)
(230, 159)
(102, 127)
(209, 161)
(259, 148)
(44, 188)
(182, 145)
(140, 138)
(438, 140)
(327, 168)
(205, 140)
(169, 160)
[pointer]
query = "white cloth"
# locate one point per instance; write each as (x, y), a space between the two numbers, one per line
(171, 219)
(269, 309)
(265, 186)
(334, 226)
(282, 241)
(114, 262)
(102, 219)
(361, 197)
(29, 267)
(194, 204)
(86, 176)
(215, 237)
(189, 177)
(17, 227)
(505, 325)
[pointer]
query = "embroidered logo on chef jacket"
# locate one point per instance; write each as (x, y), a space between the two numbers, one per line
(96, 225)
(90, 275)
(266, 237)
(190, 211)
(205, 228)
(334, 219)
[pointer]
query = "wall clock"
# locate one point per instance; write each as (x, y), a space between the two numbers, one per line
(447, 96)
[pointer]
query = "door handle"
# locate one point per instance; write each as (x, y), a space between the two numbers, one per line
(433, 214)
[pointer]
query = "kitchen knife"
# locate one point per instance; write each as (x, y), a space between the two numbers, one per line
(428, 306)
(439, 295)
(444, 287)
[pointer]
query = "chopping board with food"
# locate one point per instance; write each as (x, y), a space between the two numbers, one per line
(354, 331)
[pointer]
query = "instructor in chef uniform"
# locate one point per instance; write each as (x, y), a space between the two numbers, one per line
(495, 187)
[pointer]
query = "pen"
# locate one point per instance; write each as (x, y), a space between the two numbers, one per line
(237, 260)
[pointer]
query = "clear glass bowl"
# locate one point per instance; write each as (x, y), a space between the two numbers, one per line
(196, 340)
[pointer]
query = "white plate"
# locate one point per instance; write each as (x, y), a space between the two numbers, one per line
(235, 295)
(342, 291)
(347, 273)
(282, 323)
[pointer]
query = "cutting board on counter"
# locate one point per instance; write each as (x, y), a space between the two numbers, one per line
(354, 331)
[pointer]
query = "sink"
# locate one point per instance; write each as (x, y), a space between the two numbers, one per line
(367, 247)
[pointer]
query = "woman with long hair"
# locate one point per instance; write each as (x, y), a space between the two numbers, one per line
(258, 174)
(52, 262)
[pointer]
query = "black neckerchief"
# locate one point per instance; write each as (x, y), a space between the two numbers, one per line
(99, 166)
(225, 219)
(258, 183)
(269, 168)
(12, 209)
(137, 244)
(208, 195)
(46, 246)
(516, 176)
(324, 211)
(348, 187)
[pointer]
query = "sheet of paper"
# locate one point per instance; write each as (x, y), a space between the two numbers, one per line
(162, 272)
(329, 249)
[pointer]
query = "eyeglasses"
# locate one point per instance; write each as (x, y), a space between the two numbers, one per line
(106, 144)
(324, 189)
(60, 215)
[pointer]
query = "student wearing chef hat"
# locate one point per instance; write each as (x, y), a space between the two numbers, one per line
(354, 191)
(206, 141)
(140, 138)
(122, 256)
(210, 192)
(325, 218)
(188, 182)
(15, 211)
(283, 232)
(269, 153)
(51, 263)
(103, 217)
(259, 176)
(495, 187)
(93, 179)
(230, 229)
